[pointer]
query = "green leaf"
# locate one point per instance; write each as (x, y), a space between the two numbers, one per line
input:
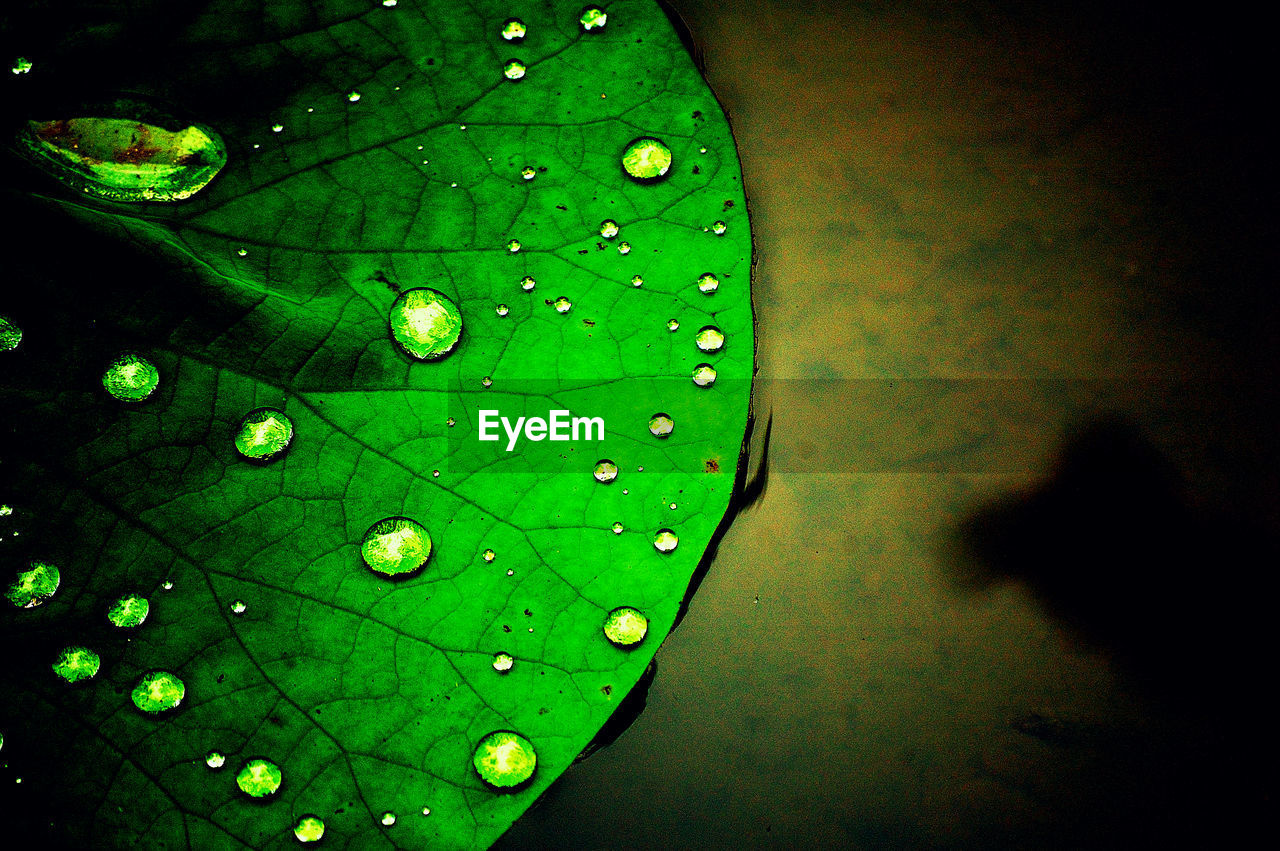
(402, 160)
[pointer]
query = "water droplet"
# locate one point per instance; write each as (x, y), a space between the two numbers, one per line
(608, 228)
(661, 425)
(527, 283)
(709, 338)
(131, 378)
(75, 664)
(129, 611)
(528, 172)
(488, 555)
(502, 662)
(636, 280)
(353, 96)
(617, 528)
(158, 691)
(451, 422)
(6, 510)
(34, 585)
(310, 828)
(672, 506)
(426, 811)
(511, 573)
(502, 310)
(673, 324)
(646, 158)
(513, 246)
(625, 626)
(168, 585)
(238, 607)
(264, 435)
(435, 474)
(387, 818)
(718, 228)
(10, 334)
(606, 471)
(624, 248)
(514, 69)
(396, 546)
(259, 778)
(425, 323)
(22, 65)
(242, 252)
(214, 759)
(708, 283)
(664, 540)
(277, 128)
(513, 29)
(563, 304)
(388, 3)
(593, 19)
(504, 759)
(487, 381)
(704, 375)
(123, 156)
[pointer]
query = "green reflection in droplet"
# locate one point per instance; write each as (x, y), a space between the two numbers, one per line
(661, 425)
(131, 378)
(264, 435)
(709, 338)
(513, 29)
(514, 69)
(606, 471)
(646, 158)
(34, 585)
(75, 664)
(259, 778)
(10, 334)
(593, 19)
(396, 546)
(129, 611)
(625, 626)
(158, 691)
(563, 305)
(502, 662)
(214, 759)
(708, 283)
(608, 228)
(664, 540)
(425, 323)
(387, 818)
(309, 828)
(704, 375)
(504, 759)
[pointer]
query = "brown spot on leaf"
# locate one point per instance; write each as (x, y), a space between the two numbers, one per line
(711, 465)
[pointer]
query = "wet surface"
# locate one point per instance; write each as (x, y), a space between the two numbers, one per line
(1008, 580)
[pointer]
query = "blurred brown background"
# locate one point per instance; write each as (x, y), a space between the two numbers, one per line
(1008, 581)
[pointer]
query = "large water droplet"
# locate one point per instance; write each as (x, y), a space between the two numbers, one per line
(387, 818)
(10, 334)
(646, 158)
(502, 662)
(608, 228)
(625, 626)
(513, 29)
(158, 691)
(135, 155)
(215, 759)
(75, 664)
(661, 425)
(718, 228)
(563, 304)
(606, 471)
(425, 323)
(704, 375)
(665, 541)
(504, 760)
(708, 283)
(129, 611)
(514, 69)
(709, 338)
(131, 378)
(308, 828)
(259, 778)
(593, 19)
(264, 435)
(396, 546)
(34, 585)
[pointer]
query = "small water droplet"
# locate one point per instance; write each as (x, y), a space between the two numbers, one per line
(673, 324)
(259, 778)
(709, 338)
(704, 375)
(625, 626)
(129, 611)
(388, 3)
(242, 252)
(451, 422)
(168, 585)
(75, 664)
(488, 555)
(310, 828)
(238, 607)
(33, 586)
(563, 304)
(435, 474)
(387, 818)
(636, 280)
(527, 283)
(10, 334)
(664, 540)
(158, 691)
(661, 425)
(425, 323)
(528, 172)
(462, 127)
(608, 228)
(511, 573)
(702, 150)
(426, 811)
(646, 159)
(396, 546)
(215, 759)
(719, 228)
(487, 381)
(504, 759)
(514, 69)
(606, 471)
(513, 246)
(617, 528)
(502, 310)
(708, 283)
(22, 65)
(353, 96)
(593, 18)
(131, 378)
(625, 491)
(624, 248)
(502, 662)
(672, 506)
(264, 435)
(277, 128)
(513, 29)
(6, 510)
